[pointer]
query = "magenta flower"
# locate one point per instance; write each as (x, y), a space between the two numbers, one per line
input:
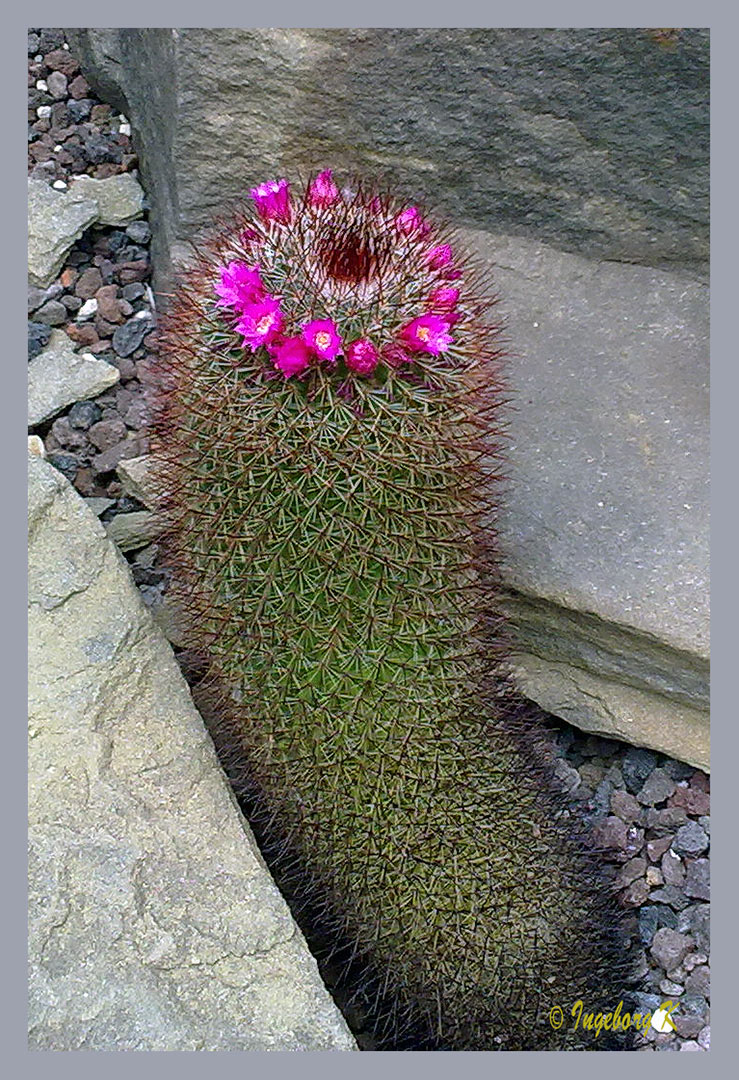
(290, 356)
(439, 256)
(427, 333)
(362, 356)
(410, 221)
(322, 338)
(394, 355)
(444, 298)
(239, 286)
(273, 200)
(261, 322)
(323, 191)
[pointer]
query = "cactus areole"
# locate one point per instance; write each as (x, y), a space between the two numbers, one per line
(328, 441)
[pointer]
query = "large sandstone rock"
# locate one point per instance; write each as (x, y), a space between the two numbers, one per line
(154, 924)
(604, 526)
(595, 140)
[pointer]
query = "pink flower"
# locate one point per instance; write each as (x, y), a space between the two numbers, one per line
(439, 256)
(273, 200)
(239, 285)
(427, 333)
(444, 298)
(261, 322)
(322, 338)
(323, 191)
(291, 356)
(394, 355)
(362, 356)
(410, 220)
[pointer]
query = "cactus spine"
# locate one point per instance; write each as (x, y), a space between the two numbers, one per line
(329, 440)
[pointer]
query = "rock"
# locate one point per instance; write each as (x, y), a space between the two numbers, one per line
(129, 336)
(39, 335)
(108, 304)
(636, 766)
(619, 168)
(135, 530)
(668, 819)
(690, 1044)
(88, 283)
(704, 1038)
(673, 870)
(55, 220)
(568, 777)
(52, 313)
(139, 232)
(692, 800)
(700, 926)
(154, 924)
(698, 879)
(614, 645)
(137, 477)
(699, 981)
(119, 199)
(657, 788)
(672, 895)
(87, 310)
(109, 459)
(84, 414)
(57, 85)
(657, 848)
(647, 924)
(690, 840)
(67, 464)
(625, 806)
(99, 505)
(107, 433)
(59, 376)
(36, 446)
(630, 871)
(636, 894)
(611, 833)
(669, 947)
(654, 877)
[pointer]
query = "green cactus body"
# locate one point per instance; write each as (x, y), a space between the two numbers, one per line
(332, 533)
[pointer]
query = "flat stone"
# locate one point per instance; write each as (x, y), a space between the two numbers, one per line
(137, 477)
(604, 528)
(59, 376)
(55, 220)
(154, 924)
(698, 879)
(119, 199)
(592, 139)
(134, 530)
(669, 947)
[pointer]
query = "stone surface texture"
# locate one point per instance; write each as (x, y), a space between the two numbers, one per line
(604, 527)
(593, 139)
(119, 199)
(59, 376)
(55, 220)
(154, 923)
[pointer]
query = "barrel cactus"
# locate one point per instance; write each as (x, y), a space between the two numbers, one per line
(329, 446)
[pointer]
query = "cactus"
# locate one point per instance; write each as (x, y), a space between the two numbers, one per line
(329, 442)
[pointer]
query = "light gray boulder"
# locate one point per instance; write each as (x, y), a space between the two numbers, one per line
(55, 220)
(154, 924)
(60, 375)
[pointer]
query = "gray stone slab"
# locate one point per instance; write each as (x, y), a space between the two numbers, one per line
(60, 375)
(604, 528)
(595, 140)
(154, 924)
(55, 220)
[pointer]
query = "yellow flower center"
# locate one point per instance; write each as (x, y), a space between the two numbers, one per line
(323, 340)
(423, 333)
(264, 324)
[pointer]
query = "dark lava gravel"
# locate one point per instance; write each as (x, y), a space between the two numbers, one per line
(650, 813)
